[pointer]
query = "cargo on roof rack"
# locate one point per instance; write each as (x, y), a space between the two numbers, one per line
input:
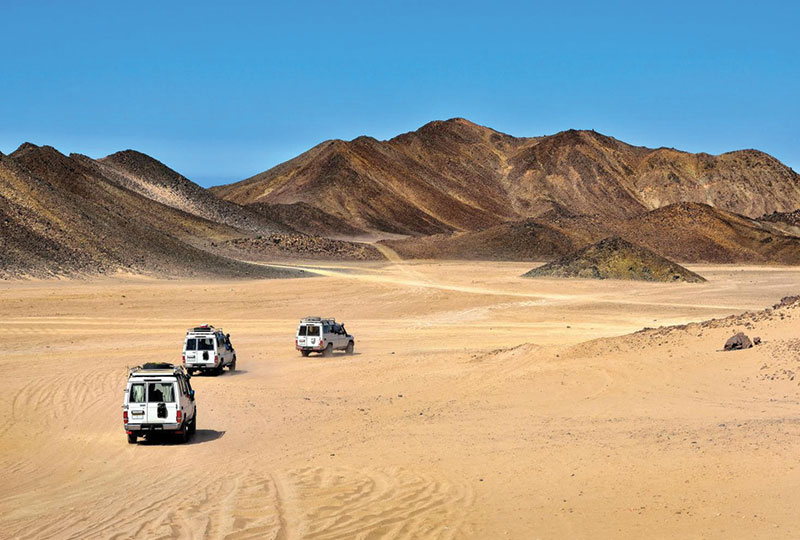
(317, 319)
(203, 328)
(155, 368)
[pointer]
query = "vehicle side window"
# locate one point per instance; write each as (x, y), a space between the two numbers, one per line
(137, 394)
(182, 385)
(326, 329)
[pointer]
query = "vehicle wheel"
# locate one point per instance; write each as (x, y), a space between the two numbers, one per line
(349, 348)
(184, 435)
(232, 366)
(193, 424)
(218, 370)
(132, 438)
(305, 353)
(328, 350)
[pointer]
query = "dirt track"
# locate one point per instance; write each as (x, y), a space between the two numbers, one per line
(472, 409)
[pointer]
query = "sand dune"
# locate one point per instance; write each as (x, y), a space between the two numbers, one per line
(479, 405)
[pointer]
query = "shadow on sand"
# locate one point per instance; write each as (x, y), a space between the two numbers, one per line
(226, 372)
(168, 439)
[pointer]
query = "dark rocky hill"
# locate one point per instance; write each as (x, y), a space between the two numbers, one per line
(614, 258)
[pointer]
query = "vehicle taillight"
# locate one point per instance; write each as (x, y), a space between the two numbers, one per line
(178, 416)
(183, 357)
(125, 416)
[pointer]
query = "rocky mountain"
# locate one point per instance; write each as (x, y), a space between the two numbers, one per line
(685, 232)
(614, 258)
(458, 176)
(306, 219)
(61, 215)
(528, 240)
(154, 180)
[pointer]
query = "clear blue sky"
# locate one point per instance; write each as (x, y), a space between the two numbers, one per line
(222, 90)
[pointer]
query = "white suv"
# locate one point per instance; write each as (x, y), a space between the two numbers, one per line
(158, 399)
(208, 349)
(317, 334)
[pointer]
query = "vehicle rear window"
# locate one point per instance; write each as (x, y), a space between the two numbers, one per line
(191, 344)
(137, 394)
(161, 392)
(301, 331)
(205, 344)
(312, 330)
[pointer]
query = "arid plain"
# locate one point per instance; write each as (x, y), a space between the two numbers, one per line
(478, 405)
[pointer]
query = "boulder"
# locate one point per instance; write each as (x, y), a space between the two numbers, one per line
(739, 341)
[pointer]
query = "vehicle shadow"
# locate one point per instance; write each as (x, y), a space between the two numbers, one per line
(205, 435)
(168, 439)
(336, 354)
(234, 373)
(223, 373)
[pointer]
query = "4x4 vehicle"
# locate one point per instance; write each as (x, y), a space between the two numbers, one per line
(208, 349)
(158, 399)
(318, 334)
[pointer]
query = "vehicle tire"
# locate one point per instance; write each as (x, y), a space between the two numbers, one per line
(193, 425)
(328, 350)
(349, 348)
(132, 438)
(184, 435)
(232, 366)
(218, 370)
(190, 371)
(305, 353)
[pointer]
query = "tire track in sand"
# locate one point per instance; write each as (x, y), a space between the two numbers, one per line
(371, 504)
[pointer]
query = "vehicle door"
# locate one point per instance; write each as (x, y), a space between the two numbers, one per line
(162, 401)
(190, 350)
(336, 338)
(221, 350)
(137, 404)
(184, 402)
(190, 405)
(205, 350)
(309, 335)
(325, 329)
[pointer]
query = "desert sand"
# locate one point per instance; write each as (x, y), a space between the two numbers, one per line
(479, 405)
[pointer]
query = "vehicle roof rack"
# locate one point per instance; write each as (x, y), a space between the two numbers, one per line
(153, 368)
(202, 329)
(318, 319)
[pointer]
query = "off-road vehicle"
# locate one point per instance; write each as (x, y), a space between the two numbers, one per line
(322, 335)
(208, 349)
(159, 399)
